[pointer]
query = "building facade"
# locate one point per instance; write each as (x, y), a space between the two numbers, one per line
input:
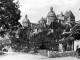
(60, 18)
(65, 19)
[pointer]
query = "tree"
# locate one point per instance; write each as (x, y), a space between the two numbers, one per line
(24, 38)
(75, 32)
(46, 40)
(9, 14)
(58, 29)
(56, 25)
(9, 17)
(38, 40)
(22, 41)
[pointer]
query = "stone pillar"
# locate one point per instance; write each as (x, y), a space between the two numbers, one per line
(72, 45)
(48, 53)
(61, 49)
(67, 46)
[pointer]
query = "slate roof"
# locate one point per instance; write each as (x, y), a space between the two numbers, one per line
(69, 14)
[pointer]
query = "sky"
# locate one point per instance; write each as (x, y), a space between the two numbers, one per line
(35, 9)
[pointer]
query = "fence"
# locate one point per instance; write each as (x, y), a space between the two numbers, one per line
(54, 54)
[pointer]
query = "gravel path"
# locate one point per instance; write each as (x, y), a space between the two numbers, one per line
(25, 56)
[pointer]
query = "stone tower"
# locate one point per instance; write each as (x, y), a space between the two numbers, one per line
(26, 22)
(51, 17)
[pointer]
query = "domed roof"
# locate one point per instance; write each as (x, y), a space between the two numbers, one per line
(51, 13)
(26, 20)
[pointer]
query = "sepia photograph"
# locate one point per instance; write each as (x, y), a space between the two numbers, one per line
(39, 29)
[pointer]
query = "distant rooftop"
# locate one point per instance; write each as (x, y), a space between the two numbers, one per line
(77, 21)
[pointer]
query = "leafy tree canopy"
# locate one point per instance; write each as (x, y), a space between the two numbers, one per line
(9, 14)
(76, 31)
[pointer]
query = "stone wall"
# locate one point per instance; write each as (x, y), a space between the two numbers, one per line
(54, 54)
(63, 54)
